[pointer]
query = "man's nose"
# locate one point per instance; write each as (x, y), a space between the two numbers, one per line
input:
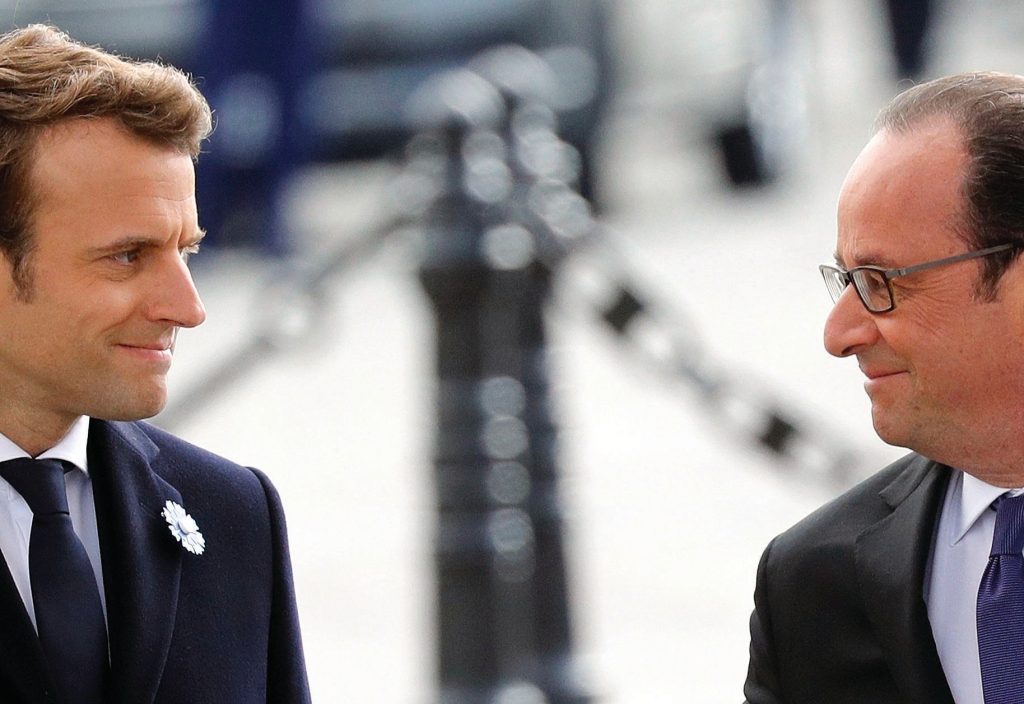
(849, 328)
(176, 300)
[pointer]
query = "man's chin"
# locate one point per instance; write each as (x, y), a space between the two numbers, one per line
(888, 426)
(135, 407)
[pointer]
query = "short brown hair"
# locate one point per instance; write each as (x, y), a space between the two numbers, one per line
(988, 109)
(47, 78)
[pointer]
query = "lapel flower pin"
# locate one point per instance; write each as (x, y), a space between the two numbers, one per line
(184, 529)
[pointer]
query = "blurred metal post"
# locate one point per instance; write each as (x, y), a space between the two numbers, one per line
(503, 613)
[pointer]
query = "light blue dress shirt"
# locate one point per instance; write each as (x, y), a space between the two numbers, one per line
(960, 549)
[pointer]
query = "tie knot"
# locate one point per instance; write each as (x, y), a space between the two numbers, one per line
(1008, 538)
(40, 483)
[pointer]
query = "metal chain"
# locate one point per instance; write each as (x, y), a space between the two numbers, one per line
(526, 173)
(664, 341)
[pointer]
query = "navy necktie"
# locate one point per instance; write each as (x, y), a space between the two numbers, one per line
(1001, 608)
(69, 615)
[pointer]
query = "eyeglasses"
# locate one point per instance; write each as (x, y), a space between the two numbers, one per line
(874, 284)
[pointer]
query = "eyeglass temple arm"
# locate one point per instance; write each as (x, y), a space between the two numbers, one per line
(893, 273)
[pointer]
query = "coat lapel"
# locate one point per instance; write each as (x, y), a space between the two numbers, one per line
(141, 561)
(892, 557)
(21, 658)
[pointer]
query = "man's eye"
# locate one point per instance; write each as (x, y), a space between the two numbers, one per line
(126, 257)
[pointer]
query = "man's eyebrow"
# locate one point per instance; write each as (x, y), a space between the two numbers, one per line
(126, 243)
(868, 260)
(139, 242)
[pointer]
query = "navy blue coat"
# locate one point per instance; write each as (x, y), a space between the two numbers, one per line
(218, 627)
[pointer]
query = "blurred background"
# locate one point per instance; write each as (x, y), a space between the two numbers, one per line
(710, 139)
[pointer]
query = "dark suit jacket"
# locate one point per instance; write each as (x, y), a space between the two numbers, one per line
(215, 628)
(839, 612)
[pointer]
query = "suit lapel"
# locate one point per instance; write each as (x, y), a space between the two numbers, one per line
(141, 561)
(21, 658)
(891, 559)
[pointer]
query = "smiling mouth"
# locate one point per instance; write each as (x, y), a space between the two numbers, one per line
(876, 380)
(877, 373)
(160, 354)
(881, 375)
(158, 350)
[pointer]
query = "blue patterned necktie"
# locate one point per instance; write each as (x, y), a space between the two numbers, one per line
(1001, 608)
(69, 614)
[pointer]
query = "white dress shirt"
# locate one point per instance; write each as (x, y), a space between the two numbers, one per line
(960, 549)
(16, 516)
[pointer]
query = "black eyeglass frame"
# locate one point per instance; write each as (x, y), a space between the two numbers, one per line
(847, 278)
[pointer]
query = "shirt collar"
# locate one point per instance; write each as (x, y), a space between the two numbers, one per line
(71, 448)
(975, 498)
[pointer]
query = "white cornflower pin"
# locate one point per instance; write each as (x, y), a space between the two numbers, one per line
(183, 528)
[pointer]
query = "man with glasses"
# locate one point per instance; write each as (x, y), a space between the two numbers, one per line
(910, 587)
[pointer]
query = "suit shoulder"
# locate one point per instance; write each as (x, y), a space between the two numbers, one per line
(840, 521)
(175, 445)
(179, 461)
